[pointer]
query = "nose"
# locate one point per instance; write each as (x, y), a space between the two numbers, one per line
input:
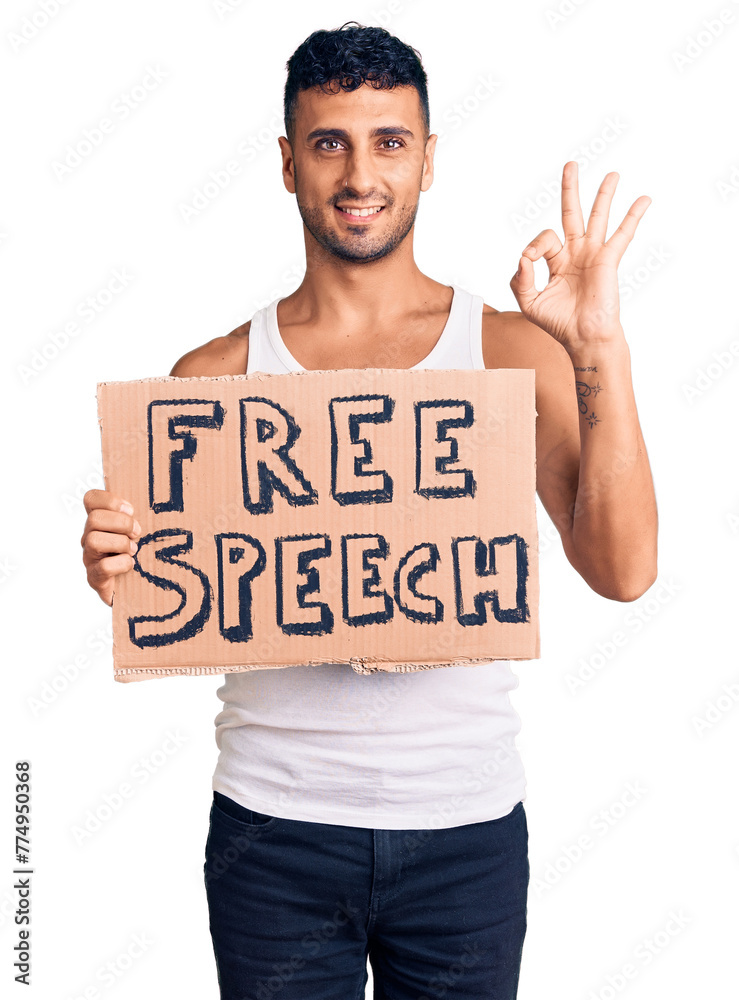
(358, 174)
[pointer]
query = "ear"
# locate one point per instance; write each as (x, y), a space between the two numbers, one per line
(427, 176)
(288, 165)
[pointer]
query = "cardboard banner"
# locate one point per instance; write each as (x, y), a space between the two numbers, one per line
(380, 518)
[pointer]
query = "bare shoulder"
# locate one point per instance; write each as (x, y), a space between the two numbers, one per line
(221, 356)
(509, 340)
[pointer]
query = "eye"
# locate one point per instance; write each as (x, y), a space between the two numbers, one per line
(319, 144)
(399, 141)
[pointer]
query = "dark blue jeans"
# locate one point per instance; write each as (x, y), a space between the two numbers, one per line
(297, 907)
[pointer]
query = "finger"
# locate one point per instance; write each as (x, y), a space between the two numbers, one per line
(598, 219)
(101, 571)
(572, 224)
(105, 543)
(547, 245)
(100, 519)
(625, 232)
(103, 499)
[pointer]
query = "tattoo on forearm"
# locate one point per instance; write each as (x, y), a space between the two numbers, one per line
(583, 392)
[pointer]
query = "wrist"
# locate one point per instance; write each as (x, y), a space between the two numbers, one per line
(608, 350)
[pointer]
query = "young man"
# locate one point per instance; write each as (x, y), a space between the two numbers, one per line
(382, 815)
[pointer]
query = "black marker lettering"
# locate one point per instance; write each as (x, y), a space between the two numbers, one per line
(191, 582)
(268, 432)
(377, 605)
(411, 567)
(293, 557)
(434, 478)
(472, 548)
(241, 558)
(165, 416)
(349, 470)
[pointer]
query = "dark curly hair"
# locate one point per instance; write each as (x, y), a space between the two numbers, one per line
(351, 56)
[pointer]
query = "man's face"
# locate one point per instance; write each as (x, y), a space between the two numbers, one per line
(340, 160)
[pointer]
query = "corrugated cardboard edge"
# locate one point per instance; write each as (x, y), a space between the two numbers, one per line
(261, 376)
(359, 664)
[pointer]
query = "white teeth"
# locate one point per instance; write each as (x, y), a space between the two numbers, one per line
(361, 212)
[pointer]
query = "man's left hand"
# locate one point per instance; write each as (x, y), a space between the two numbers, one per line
(579, 306)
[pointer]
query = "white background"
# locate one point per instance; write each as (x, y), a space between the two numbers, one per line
(553, 86)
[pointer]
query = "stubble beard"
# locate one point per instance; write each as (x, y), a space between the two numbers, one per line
(357, 247)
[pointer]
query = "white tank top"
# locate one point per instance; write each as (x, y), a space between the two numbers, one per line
(395, 751)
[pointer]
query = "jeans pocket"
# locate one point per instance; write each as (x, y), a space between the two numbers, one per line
(241, 814)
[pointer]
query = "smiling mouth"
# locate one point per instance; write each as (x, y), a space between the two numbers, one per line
(360, 213)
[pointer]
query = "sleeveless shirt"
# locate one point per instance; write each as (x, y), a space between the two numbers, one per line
(382, 750)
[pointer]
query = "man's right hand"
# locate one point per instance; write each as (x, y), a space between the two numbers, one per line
(108, 541)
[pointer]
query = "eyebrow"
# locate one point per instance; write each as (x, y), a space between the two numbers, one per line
(340, 133)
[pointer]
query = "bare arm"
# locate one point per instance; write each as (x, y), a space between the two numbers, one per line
(595, 479)
(593, 473)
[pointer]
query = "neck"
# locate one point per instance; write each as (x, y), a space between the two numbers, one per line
(339, 294)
